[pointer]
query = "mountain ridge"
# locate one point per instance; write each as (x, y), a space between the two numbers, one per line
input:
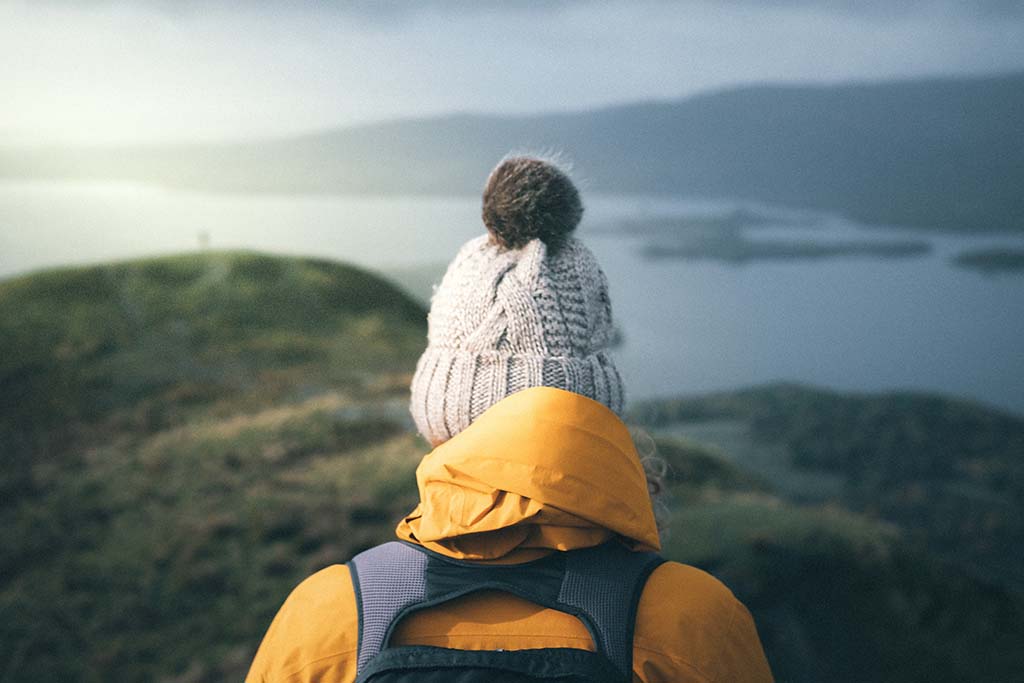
(944, 153)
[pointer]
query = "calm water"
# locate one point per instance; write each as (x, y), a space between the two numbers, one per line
(689, 326)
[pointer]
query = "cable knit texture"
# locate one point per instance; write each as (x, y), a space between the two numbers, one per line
(503, 320)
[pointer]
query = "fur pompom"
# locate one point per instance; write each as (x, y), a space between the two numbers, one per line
(526, 198)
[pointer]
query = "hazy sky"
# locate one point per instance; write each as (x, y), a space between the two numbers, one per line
(103, 70)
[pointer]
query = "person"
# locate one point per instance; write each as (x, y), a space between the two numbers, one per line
(522, 403)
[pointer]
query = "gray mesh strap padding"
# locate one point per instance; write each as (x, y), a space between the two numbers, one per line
(600, 585)
(388, 579)
(605, 583)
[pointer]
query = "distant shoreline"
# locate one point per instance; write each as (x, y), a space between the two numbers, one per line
(992, 261)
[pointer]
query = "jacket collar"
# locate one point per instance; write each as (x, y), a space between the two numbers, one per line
(543, 469)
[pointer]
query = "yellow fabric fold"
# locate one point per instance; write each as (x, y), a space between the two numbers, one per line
(542, 469)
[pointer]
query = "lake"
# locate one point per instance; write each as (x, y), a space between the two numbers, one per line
(859, 322)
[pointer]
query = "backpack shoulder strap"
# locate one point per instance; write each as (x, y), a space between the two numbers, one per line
(601, 586)
(605, 583)
(388, 579)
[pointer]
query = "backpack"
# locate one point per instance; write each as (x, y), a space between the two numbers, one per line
(600, 586)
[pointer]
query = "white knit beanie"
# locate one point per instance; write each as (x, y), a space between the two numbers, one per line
(525, 305)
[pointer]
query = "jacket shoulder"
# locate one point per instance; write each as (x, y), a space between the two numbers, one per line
(691, 627)
(315, 634)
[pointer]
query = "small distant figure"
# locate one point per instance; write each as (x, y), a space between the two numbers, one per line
(204, 240)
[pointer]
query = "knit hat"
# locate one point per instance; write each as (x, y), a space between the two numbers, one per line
(525, 305)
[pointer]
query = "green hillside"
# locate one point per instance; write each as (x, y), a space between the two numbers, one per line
(840, 597)
(950, 472)
(837, 596)
(187, 438)
(131, 348)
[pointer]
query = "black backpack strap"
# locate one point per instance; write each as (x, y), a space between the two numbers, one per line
(601, 586)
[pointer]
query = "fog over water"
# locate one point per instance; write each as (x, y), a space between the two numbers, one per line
(96, 71)
(857, 323)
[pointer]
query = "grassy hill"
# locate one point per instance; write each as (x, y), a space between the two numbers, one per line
(950, 472)
(836, 595)
(186, 438)
(93, 353)
(940, 153)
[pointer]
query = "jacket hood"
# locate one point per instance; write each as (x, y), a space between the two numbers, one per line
(542, 469)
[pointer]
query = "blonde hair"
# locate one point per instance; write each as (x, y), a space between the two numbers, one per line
(656, 471)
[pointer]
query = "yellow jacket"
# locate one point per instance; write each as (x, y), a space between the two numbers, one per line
(543, 470)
